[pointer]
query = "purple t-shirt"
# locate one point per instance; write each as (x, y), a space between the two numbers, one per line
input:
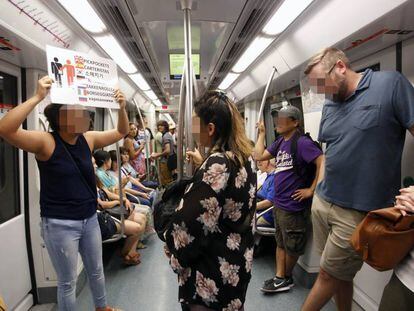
(287, 181)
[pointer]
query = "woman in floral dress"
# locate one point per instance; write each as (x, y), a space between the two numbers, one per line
(210, 241)
(135, 150)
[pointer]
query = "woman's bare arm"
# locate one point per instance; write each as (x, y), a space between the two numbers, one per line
(30, 141)
(97, 139)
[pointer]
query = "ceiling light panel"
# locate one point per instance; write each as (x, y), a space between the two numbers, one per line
(252, 52)
(116, 52)
(228, 80)
(285, 15)
(84, 14)
(140, 81)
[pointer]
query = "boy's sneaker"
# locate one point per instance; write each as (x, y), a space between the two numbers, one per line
(277, 285)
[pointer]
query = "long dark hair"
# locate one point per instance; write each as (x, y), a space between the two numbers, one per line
(215, 107)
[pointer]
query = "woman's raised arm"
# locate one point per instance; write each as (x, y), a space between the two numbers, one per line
(97, 140)
(30, 141)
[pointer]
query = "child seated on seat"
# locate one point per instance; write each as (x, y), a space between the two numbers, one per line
(104, 164)
(265, 193)
(145, 195)
(136, 180)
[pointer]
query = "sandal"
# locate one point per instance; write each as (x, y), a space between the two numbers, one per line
(141, 245)
(108, 309)
(131, 260)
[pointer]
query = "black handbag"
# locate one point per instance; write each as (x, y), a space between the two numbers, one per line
(172, 162)
(107, 225)
(167, 203)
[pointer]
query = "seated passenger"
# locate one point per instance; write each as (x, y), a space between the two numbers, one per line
(399, 293)
(128, 170)
(110, 181)
(298, 161)
(133, 231)
(145, 196)
(266, 193)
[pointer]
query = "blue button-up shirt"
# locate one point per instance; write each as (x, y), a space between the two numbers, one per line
(365, 137)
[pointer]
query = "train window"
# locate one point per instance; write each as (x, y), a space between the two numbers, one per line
(9, 156)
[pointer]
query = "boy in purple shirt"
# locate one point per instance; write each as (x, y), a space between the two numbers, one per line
(298, 161)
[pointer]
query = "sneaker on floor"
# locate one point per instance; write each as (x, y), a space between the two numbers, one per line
(290, 282)
(278, 285)
(269, 281)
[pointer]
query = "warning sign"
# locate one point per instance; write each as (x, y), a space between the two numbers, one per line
(81, 78)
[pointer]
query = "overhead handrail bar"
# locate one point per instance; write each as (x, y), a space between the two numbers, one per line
(262, 104)
(147, 160)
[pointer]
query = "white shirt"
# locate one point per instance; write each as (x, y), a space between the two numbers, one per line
(405, 271)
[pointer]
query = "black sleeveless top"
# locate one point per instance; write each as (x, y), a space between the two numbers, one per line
(63, 194)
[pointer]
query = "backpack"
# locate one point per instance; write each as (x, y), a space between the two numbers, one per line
(307, 170)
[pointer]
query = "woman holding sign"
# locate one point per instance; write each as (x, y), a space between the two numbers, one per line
(68, 198)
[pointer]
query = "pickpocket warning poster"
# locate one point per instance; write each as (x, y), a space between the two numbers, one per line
(81, 79)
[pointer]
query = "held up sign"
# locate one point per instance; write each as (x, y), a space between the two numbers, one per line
(81, 79)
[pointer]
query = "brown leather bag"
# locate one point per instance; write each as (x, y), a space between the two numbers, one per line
(384, 238)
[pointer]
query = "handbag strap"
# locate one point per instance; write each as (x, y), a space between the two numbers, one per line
(77, 167)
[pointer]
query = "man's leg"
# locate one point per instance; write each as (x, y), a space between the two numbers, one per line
(322, 291)
(343, 296)
(339, 262)
(290, 262)
(280, 263)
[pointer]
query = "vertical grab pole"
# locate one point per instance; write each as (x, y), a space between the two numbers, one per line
(121, 196)
(196, 92)
(186, 7)
(180, 136)
(146, 140)
(265, 95)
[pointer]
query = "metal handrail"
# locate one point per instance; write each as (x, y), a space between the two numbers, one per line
(186, 7)
(180, 136)
(265, 93)
(121, 195)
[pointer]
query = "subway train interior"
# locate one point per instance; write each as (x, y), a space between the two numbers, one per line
(254, 51)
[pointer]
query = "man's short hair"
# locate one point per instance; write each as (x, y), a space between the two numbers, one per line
(328, 57)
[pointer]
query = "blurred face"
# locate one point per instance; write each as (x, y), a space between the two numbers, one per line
(132, 130)
(329, 81)
(161, 128)
(263, 165)
(74, 119)
(125, 157)
(285, 125)
(107, 164)
(202, 134)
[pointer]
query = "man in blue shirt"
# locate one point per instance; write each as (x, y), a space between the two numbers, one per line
(266, 193)
(364, 121)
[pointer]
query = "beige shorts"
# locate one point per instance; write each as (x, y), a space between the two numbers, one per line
(332, 230)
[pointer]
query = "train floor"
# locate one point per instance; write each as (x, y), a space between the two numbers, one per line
(152, 286)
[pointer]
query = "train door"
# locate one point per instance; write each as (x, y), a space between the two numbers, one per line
(15, 282)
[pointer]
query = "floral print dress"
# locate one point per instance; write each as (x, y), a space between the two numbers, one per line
(211, 239)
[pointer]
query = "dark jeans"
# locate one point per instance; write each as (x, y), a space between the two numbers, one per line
(150, 184)
(142, 201)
